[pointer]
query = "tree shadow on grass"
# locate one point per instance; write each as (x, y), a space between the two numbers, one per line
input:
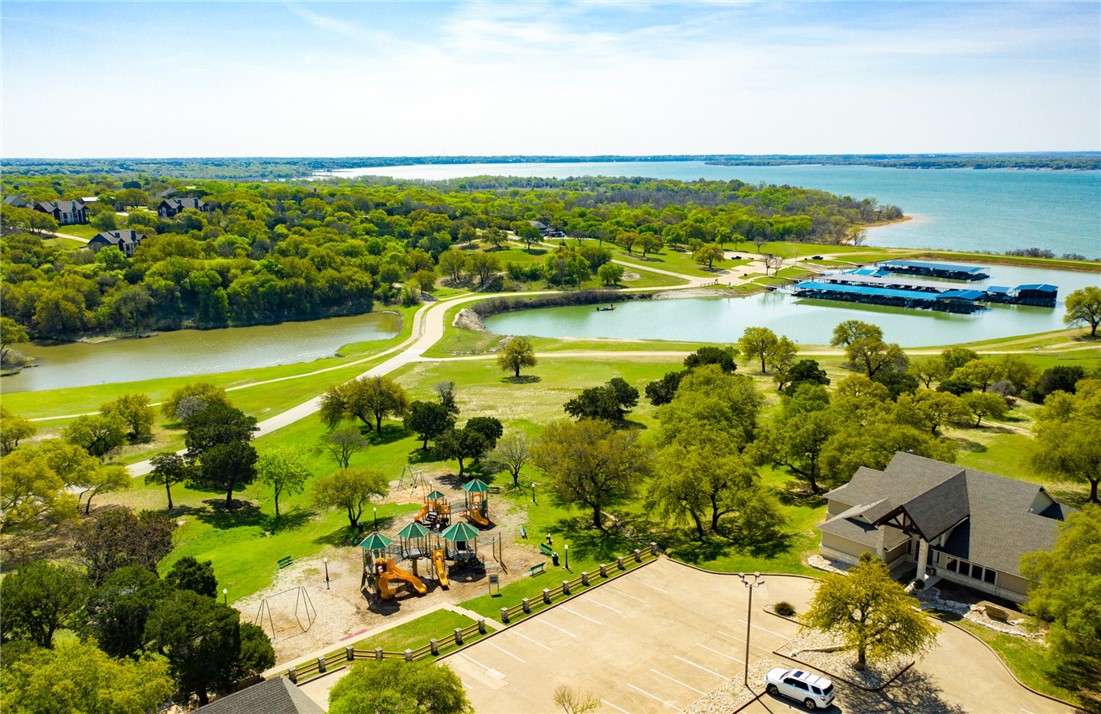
(522, 379)
(968, 445)
(796, 493)
(244, 513)
(390, 434)
(762, 543)
(344, 535)
(290, 521)
(422, 456)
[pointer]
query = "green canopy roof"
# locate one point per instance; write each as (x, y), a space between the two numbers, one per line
(413, 530)
(375, 542)
(459, 531)
(435, 496)
(476, 486)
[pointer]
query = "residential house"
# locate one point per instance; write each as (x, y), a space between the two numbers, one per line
(272, 696)
(64, 212)
(169, 207)
(953, 523)
(16, 201)
(126, 240)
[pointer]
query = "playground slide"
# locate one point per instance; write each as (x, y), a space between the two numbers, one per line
(441, 567)
(393, 572)
(422, 514)
(478, 518)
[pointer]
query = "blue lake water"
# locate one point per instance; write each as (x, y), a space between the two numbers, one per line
(806, 321)
(993, 210)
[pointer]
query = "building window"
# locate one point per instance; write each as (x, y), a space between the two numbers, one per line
(988, 576)
(952, 564)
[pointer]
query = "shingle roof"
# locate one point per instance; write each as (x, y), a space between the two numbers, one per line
(116, 238)
(272, 696)
(998, 516)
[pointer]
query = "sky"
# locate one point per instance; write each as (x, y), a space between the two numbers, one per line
(186, 79)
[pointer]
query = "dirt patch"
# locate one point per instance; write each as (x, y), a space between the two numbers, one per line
(306, 616)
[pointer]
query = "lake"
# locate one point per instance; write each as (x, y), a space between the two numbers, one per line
(185, 352)
(992, 210)
(807, 321)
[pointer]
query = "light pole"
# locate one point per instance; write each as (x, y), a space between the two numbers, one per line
(375, 509)
(533, 485)
(567, 547)
(326, 573)
(750, 581)
(225, 596)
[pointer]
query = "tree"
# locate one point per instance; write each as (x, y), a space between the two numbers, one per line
(661, 391)
(218, 440)
(187, 573)
(350, 489)
(169, 468)
(930, 409)
(873, 354)
(871, 612)
(365, 398)
(453, 263)
(758, 342)
(610, 273)
(119, 607)
(187, 401)
(956, 357)
(101, 479)
(591, 464)
(805, 371)
(707, 255)
(710, 354)
(342, 444)
(13, 429)
(11, 333)
(611, 401)
(980, 373)
(489, 427)
(98, 434)
(709, 399)
(32, 493)
(796, 443)
(117, 538)
(485, 266)
(518, 352)
(1084, 308)
(461, 444)
(79, 677)
(512, 453)
(929, 370)
(428, 420)
(1066, 430)
(576, 702)
(873, 443)
(1065, 591)
(41, 598)
(984, 404)
(849, 331)
(393, 687)
(202, 639)
(283, 469)
(135, 412)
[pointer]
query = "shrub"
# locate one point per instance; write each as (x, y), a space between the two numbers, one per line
(784, 608)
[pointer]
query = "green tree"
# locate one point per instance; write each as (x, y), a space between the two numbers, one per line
(847, 332)
(707, 255)
(758, 343)
(117, 538)
(980, 372)
(489, 427)
(79, 677)
(661, 391)
(428, 420)
(98, 434)
(873, 442)
(930, 409)
(518, 352)
(452, 264)
(1066, 592)
(284, 470)
(611, 401)
(13, 429)
(871, 612)
(956, 357)
(1084, 308)
(1066, 430)
(711, 354)
(393, 687)
(101, 479)
(512, 452)
(136, 412)
(461, 444)
(709, 399)
(365, 398)
(983, 404)
(610, 273)
(929, 370)
(169, 468)
(485, 266)
(350, 489)
(11, 333)
(187, 573)
(796, 443)
(591, 464)
(32, 493)
(40, 598)
(188, 400)
(119, 607)
(805, 371)
(219, 439)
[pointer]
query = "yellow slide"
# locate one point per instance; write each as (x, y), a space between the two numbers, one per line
(441, 566)
(389, 572)
(423, 513)
(475, 515)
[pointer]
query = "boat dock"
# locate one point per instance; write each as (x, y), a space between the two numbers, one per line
(934, 270)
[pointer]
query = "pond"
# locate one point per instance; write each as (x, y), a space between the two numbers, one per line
(724, 319)
(186, 352)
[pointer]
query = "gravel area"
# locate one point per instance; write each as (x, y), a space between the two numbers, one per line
(810, 647)
(733, 695)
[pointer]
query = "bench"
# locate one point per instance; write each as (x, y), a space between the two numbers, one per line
(523, 531)
(536, 569)
(545, 549)
(285, 561)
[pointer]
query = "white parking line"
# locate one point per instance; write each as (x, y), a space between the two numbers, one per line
(721, 654)
(607, 607)
(533, 641)
(476, 662)
(765, 629)
(496, 646)
(556, 627)
(671, 679)
(727, 634)
(652, 587)
(583, 617)
(632, 597)
(639, 689)
(700, 666)
(613, 706)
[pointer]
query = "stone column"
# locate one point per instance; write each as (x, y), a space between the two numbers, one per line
(923, 558)
(881, 542)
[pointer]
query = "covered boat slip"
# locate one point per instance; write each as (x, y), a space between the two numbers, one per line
(1037, 295)
(957, 301)
(935, 270)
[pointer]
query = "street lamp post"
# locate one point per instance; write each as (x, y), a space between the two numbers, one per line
(751, 582)
(375, 509)
(533, 485)
(567, 547)
(326, 573)
(225, 596)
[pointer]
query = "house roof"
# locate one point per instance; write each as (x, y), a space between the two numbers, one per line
(181, 203)
(63, 206)
(120, 237)
(998, 519)
(272, 696)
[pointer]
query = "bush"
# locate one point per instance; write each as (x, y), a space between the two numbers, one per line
(919, 585)
(784, 608)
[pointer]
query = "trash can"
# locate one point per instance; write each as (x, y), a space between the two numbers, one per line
(554, 557)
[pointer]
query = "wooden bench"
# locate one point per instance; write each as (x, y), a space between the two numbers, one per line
(536, 569)
(285, 561)
(545, 549)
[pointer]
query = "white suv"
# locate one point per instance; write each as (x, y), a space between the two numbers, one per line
(810, 689)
